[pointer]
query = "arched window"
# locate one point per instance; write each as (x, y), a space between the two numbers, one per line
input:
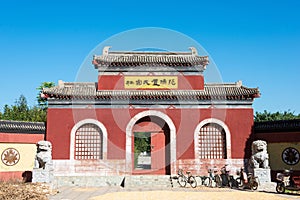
(88, 142)
(212, 142)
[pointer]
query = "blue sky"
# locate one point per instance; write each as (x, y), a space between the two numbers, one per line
(257, 42)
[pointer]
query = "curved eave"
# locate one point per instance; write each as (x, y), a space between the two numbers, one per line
(151, 97)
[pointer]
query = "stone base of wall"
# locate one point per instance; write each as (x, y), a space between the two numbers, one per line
(113, 172)
(128, 181)
(89, 167)
(119, 168)
(87, 181)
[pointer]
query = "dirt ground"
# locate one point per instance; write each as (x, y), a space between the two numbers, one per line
(29, 191)
(23, 191)
(184, 195)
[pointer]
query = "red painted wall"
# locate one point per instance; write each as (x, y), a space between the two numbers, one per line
(61, 122)
(116, 82)
(21, 138)
(12, 176)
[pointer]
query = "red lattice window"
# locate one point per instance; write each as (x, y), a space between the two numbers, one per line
(88, 142)
(212, 142)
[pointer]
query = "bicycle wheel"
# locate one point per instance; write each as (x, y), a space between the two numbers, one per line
(218, 181)
(239, 182)
(280, 188)
(254, 185)
(207, 182)
(199, 180)
(230, 183)
(193, 181)
(181, 181)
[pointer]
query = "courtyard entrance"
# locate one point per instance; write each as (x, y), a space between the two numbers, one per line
(150, 146)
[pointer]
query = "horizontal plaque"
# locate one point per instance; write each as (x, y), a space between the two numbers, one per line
(151, 82)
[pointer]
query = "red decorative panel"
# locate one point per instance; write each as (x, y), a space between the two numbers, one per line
(212, 142)
(88, 143)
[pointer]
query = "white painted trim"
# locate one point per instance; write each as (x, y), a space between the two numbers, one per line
(129, 133)
(227, 135)
(88, 121)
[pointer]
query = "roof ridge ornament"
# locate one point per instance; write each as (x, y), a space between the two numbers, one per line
(105, 50)
(239, 83)
(194, 51)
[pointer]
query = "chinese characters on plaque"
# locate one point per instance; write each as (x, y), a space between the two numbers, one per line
(151, 82)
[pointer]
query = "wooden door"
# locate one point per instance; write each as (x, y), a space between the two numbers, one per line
(158, 153)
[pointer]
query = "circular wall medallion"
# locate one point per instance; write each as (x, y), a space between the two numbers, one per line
(290, 156)
(10, 156)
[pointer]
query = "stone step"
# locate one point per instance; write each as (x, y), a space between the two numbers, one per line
(128, 181)
(147, 181)
(87, 181)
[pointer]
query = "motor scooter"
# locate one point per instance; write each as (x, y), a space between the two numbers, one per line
(285, 181)
(247, 181)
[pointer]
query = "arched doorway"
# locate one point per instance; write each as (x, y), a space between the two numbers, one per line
(156, 118)
(151, 146)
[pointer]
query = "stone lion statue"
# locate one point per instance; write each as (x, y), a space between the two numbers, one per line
(260, 156)
(43, 157)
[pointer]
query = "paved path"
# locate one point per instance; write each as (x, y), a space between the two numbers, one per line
(84, 193)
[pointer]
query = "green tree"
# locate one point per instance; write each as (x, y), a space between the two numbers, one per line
(37, 114)
(142, 143)
(42, 102)
(268, 116)
(7, 113)
(20, 111)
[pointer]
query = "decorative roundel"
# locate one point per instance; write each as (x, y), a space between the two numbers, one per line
(10, 156)
(290, 156)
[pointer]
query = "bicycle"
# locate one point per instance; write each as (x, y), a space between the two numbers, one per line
(218, 180)
(207, 180)
(183, 180)
(242, 178)
(227, 180)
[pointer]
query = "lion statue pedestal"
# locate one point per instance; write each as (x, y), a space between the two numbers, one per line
(259, 161)
(43, 166)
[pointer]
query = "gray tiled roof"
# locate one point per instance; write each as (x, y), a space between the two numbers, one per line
(7, 126)
(211, 91)
(150, 59)
(277, 126)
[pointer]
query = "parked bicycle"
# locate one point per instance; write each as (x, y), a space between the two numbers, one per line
(227, 179)
(217, 178)
(242, 178)
(183, 180)
(207, 180)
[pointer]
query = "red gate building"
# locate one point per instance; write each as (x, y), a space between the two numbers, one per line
(159, 98)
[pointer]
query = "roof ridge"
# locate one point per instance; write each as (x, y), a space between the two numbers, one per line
(193, 51)
(17, 121)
